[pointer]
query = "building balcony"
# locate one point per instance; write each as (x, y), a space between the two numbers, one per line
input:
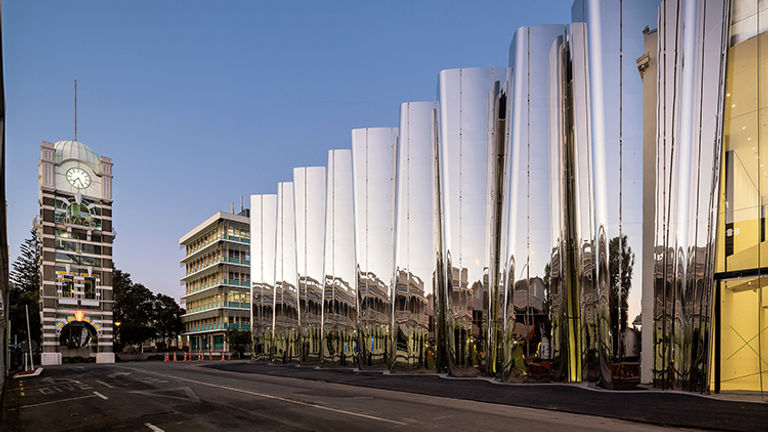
(241, 263)
(218, 305)
(210, 246)
(205, 289)
(216, 327)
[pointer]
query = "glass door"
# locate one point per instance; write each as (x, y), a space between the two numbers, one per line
(743, 335)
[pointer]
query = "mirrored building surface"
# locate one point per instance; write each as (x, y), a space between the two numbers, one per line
(532, 341)
(374, 158)
(309, 200)
(340, 301)
(612, 40)
(287, 318)
(263, 236)
(593, 213)
(467, 99)
(418, 274)
(690, 83)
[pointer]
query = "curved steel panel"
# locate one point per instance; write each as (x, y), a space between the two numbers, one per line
(416, 242)
(287, 318)
(612, 42)
(688, 167)
(309, 198)
(374, 154)
(528, 319)
(467, 98)
(263, 237)
(340, 302)
(583, 199)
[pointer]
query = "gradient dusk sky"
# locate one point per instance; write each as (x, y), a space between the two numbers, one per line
(200, 102)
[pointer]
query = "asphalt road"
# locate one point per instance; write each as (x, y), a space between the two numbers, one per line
(157, 396)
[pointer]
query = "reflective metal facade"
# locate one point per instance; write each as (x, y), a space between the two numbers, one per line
(309, 200)
(374, 160)
(287, 316)
(690, 82)
(574, 299)
(532, 322)
(417, 267)
(470, 221)
(510, 229)
(612, 40)
(263, 237)
(340, 300)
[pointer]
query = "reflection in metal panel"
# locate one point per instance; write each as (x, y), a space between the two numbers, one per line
(612, 42)
(263, 234)
(309, 198)
(340, 307)
(287, 319)
(416, 244)
(467, 97)
(532, 342)
(582, 196)
(691, 78)
(565, 271)
(374, 153)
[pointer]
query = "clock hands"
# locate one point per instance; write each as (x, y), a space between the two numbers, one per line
(78, 178)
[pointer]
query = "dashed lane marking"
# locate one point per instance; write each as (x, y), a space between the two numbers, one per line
(103, 383)
(56, 401)
(153, 427)
(268, 396)
(100, 395)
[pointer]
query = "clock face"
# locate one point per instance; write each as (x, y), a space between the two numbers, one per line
(78, 178)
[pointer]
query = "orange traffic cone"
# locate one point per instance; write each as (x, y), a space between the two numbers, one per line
(222, 356)
(185, 356)
(174, 356)
(166, 358)
(199, 356)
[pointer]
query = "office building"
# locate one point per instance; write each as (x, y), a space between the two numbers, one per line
(217, 283)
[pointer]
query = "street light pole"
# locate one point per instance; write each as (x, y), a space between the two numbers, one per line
(29, 337)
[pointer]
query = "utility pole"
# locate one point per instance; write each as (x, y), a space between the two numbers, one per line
(29, 338)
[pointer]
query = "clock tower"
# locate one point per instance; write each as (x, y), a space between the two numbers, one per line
(75, 231)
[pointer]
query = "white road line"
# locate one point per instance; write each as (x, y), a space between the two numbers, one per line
(103, 383)
(268, 396)
(56, 401)
(100, 395)
(153, 427)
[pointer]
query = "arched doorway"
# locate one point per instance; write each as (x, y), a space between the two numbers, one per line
(78, 339)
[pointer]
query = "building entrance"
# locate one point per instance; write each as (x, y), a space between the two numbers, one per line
(78, 339)
(741, 333)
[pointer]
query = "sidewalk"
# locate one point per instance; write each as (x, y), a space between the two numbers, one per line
(667, 408)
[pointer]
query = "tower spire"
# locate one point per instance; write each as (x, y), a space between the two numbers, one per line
(75, 110)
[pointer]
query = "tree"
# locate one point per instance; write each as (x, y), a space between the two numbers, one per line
(25, 290)
(622, 261)
(167, 318)
(239, 341)
(133, 309)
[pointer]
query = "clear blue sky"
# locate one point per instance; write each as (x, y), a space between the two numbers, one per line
(199, 102)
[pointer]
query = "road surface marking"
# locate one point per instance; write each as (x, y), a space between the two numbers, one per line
(103, 383)
(56, 401)
(180, 393)
(153, 427)
(100, 395)
(268, 396)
